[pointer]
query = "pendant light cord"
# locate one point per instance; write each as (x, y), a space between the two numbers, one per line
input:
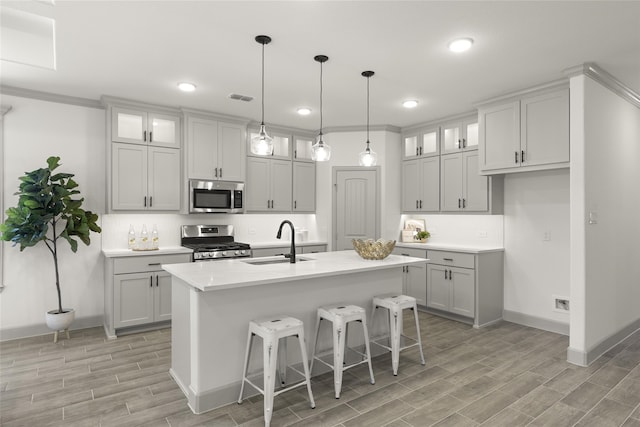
(368, 112)
(262, 84)
(321, 98)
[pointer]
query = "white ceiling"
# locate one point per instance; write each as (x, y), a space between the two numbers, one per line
(141, 49)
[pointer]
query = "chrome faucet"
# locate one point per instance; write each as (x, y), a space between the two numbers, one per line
(292, 253)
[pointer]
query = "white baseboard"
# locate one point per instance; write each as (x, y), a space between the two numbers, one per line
(42, 329)
(536, 322)
(585, 358)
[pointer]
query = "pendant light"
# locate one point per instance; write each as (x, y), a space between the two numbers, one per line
(368, 157)
(262, 144)
(320, 152)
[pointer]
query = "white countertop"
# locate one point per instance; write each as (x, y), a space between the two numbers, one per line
(163, 250)
(287, 243)
(450, 248)
(236, 273)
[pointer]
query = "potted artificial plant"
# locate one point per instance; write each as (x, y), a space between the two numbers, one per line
(47, 212)
(422, 236)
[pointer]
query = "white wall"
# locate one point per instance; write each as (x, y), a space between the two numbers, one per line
(345, 147)
(611, 177)
(536, 204)
(33, 131)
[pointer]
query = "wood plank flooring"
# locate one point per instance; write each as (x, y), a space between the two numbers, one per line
(504, 375)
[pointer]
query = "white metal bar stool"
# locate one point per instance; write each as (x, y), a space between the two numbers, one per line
(395, 304)
(340, 316)
(272, 331)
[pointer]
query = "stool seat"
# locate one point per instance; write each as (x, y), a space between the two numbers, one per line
(340, 316)
(395, 304)
(274, 333)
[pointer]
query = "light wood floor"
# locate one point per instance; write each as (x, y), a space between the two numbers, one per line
(505, 375)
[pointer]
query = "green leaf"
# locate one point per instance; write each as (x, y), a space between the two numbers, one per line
(53, 162)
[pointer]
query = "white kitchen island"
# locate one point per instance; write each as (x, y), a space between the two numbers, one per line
(213, 302)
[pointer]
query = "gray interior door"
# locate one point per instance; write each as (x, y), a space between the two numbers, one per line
(356, 205)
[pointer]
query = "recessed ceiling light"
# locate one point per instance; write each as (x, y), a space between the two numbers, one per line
(304, 111)
(410, 103)
(460, 45)
(186, 87)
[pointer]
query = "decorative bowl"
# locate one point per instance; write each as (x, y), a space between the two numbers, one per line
(373, 249)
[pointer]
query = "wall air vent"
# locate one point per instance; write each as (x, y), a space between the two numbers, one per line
(241, 97)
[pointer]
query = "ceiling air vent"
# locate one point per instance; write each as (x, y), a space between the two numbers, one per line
(241, 97)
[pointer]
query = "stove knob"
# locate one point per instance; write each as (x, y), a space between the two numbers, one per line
(237, 252)
(243, 252)
(224, 253)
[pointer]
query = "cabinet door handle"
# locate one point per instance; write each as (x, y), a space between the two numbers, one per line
(295, 154)
(516, 157)
(151, 281)
(151, 136)
(445, 275)
(459, 204)
(220, 172)
(420, 204)
(417, 151)
(145, 201)
(157, 281)
(522, 156)
(450, 276)
(464, 203)
(216, 172)
(268, 204)
(144, 136)
(448, 259)
(151, 201)
(459, 143)
(416, 204)
(464, 143)
(295, 204)
(421, 151)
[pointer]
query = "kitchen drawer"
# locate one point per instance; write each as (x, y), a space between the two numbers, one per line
(313, 249)
(140, 264)
(451, 258)
(417, 253)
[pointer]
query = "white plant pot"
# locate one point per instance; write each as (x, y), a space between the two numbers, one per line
(60, 321)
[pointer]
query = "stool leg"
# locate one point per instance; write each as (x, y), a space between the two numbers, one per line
(394, 331)
(282, 360)
(338, 355)
(307, 371)
(55, 337)
(270, 362)
(415, 314)
(368, 348)
(246, 365)
(315, 344)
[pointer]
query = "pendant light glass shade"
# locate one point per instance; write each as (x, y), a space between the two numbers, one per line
(262, 144)
(367, 157)
(320, 152)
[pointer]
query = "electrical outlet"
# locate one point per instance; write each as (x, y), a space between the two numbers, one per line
(252, 231)
(546, 236)
(482, 234)
(561, 304)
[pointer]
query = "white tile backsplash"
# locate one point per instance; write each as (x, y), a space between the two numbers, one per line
(472, 230)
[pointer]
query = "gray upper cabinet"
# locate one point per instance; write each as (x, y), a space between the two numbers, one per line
(269, 185)
(135, 126)
(215, 149)
(421, 185)
(459, 135)
(462, 187)
(304, 186)
(530, 132)
(422, 142)
(302, 148)
(282, 146)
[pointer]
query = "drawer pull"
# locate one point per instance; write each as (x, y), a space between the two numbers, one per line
(448, 259)
(154, 263)
(405, 254)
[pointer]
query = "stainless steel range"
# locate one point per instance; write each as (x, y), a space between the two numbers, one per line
(213, 242)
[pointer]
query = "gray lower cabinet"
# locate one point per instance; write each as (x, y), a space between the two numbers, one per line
(138, 291)
(414, 278)
(466, 286)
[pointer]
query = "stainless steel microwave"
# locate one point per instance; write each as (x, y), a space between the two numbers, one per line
(216, 196)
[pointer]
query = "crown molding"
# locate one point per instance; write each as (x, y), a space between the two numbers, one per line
(107, 100)
(551, 86)
(50, 97)
(592, 70)
(362, 128)
(204, 114)
(446, 119)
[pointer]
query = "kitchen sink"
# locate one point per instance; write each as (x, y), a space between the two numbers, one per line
(260, 261)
